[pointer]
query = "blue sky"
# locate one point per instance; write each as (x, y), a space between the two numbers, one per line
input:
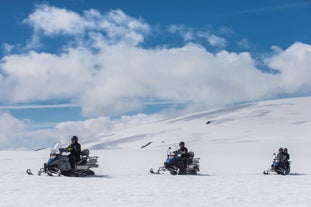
(66, 64)
(263, 23)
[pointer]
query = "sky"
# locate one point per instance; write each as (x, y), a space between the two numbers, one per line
(86, 67)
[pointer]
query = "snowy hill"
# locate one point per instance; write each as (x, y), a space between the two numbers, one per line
(253, 130)
(248, 130)
(262, 123)
(235, 145)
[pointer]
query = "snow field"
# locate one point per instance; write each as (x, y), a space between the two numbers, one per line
(235, 148)
(123, 180)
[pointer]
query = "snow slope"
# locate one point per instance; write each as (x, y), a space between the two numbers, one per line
(235, 147)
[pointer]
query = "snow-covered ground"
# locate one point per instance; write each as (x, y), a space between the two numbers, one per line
(235, 147)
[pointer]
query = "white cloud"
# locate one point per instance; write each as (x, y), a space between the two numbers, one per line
(244, 44)
(226, 31)
(14, 133)
(107, 73)
(276, 49)
(189, 34)
(116, 25)
(186, 33)
(101, 125)
(10, 127)
(7, 48)
(43, 76)
(44, 106)
(216, 41)
(52, 20)
(294, 67)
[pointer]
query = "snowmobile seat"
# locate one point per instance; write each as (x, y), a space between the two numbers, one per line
(85, 153)
(190, 156)
(84, 156)
(82, 161)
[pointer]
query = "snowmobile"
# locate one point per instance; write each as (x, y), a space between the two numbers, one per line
(278, 167)
(58, 164)
(175, 164)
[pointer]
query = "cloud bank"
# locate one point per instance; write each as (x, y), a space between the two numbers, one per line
(16, 134)
(9, 127)
(105, 69)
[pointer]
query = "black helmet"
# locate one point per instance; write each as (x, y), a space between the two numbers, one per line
(74, 138)
(182, 143)
(285, 149)
(281, 149)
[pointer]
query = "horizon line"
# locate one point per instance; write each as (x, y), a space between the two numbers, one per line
(37, 106)
(46, 106)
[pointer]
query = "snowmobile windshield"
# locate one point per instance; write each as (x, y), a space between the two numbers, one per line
(55, 149)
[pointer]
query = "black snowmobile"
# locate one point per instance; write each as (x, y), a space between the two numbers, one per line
(175, 164)
(279, 167)
(58, 164)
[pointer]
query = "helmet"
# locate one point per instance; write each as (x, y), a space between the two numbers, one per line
(182, 143)
(74, 138)
(281, 149)
(285, 149)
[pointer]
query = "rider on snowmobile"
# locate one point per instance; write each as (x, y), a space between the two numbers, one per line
(75, 151)
(286, 155)
(280, 156)
(183, 152)
(177, 158)
(280, 160)
(281, 164)
(179, 162)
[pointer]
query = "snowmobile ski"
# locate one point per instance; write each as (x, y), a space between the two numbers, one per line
(153, 172)
(28, 171)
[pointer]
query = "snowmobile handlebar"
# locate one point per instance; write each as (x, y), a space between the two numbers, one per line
(61, 150)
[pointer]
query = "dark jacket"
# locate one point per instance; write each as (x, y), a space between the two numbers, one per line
(75, 151)
(281, 156)
(286, 156)
(183, 151)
